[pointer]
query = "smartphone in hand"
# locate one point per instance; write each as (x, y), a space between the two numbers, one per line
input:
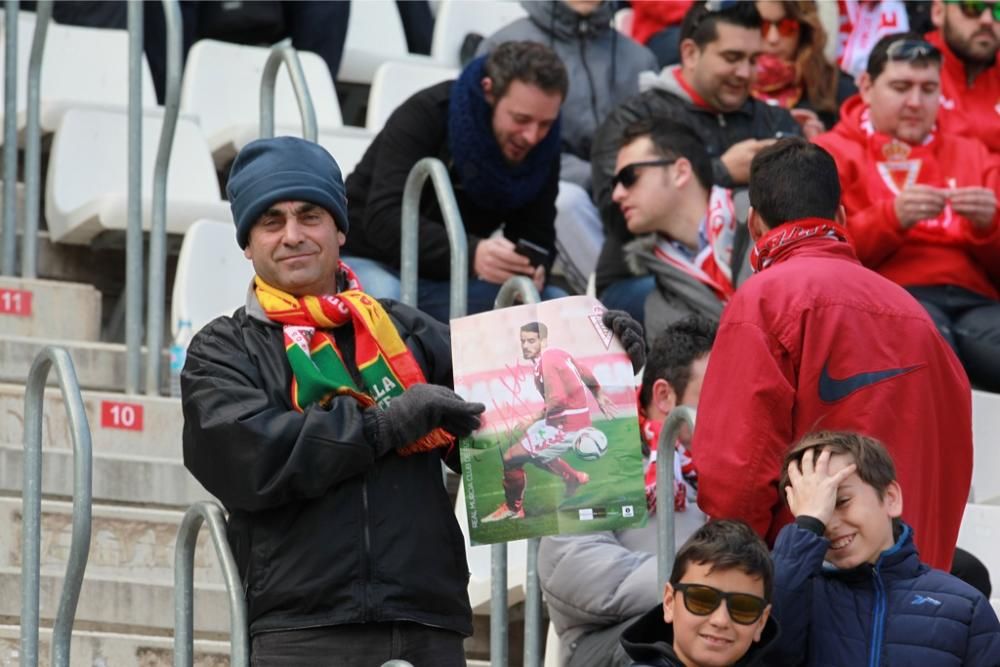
(535, 253)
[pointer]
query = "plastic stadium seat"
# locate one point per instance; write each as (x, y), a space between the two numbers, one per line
(81, 67)
(552, 657)
(209, 256)
(347, 146)
(221, 89)
(458, 18)
(395, 82)
(479, 558)
(86, 190)
(374, 36)
(980, 536)
(986, 449)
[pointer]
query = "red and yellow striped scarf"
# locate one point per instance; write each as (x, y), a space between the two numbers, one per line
(384, 362)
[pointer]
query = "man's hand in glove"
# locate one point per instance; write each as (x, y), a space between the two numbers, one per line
(629, 332)
(421, 409)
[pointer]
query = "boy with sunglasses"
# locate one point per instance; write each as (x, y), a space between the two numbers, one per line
(850, 588)
(716, 607)
(968, 35)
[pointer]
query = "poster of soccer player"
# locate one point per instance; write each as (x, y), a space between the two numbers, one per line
(558, 450)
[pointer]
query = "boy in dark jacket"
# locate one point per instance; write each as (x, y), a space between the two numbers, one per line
(715, 609)
(872, 601)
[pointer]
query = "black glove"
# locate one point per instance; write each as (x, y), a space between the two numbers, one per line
(629, 332)
(421, 409)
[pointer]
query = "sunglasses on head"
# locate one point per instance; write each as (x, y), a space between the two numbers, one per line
(787, 27)
(629, 174)
(975, 8)
(911, 49)
(702, 600)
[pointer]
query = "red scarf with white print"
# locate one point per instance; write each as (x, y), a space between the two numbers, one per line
(790, 234)
(712, 264)
(683, 465)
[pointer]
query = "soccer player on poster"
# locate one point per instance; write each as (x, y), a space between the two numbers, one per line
(550, 432)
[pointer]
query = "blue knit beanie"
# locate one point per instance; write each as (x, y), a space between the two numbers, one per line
(268, 171)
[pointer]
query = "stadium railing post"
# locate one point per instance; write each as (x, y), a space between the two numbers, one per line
(516, 289)
(8, 254)
(133, 232)
(282, 52)
(211, 514)
(33, 144)
(434, 169)
(31, 509)
(680, 415)
(158, 225)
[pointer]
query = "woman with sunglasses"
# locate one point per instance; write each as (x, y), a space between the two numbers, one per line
(792, 72)
(716, 607)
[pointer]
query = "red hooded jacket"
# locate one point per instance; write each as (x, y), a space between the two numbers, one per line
(972, 111)
(874, 167)
(817, 342)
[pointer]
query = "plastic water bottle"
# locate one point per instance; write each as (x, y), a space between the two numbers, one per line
(178, 354)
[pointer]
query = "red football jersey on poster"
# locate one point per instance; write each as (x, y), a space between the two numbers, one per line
(559, 382)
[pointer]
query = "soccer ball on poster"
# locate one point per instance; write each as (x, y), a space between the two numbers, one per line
(590, 444)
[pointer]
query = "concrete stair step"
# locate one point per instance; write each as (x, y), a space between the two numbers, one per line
(110, 649)
(126, 542)
(49, 309)
(99, 366)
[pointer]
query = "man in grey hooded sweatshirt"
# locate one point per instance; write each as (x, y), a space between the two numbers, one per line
(603, 67)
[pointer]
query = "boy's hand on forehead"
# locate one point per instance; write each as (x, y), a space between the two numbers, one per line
(812, 489)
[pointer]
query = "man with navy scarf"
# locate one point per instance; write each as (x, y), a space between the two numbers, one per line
(496, 129)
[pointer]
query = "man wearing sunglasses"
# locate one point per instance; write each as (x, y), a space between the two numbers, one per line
(708, 91)
(921, 204)
(968, 35)
(716, 607)
(687, 227)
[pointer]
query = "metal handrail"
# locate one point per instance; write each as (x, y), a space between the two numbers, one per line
(187, 539)
(283, 52)
(33, 144)
(434, 169)
(133, 233)
(514, 289)
(31, 498)
(681, 414)
(158, 226)
(8, 253)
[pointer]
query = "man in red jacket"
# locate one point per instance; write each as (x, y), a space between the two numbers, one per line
(921, 207)
(968, 34)
(817, 341)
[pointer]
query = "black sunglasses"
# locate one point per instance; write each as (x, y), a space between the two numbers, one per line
(911, 49)
(628, 174)
(702, 600)
(975, 8)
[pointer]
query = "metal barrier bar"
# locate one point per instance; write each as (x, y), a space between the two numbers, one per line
(8, 254)
(33, 144)
(410, 224)
(158, 228)
(187, 539)
(31, 498)
(133, 234)
(282, 52)
(682, 414)
(518, 287)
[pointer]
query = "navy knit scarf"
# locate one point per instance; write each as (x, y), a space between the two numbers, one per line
(479, 164)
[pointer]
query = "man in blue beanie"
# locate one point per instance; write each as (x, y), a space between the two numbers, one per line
(320, 416)
(496, 128)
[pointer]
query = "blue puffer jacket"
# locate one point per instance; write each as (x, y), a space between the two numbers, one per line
(896, 612)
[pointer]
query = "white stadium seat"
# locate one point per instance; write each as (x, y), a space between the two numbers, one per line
(221, 89)
(986, 449)
(480, 579)
(374, 36)
(347, 146)
(457, 18)
(81, 67)
(395, 82)
(209, 257)
(87, 185)
(980, 536)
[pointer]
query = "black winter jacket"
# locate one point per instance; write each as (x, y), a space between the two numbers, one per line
(418, 128)
(324, 532)
(718, 131)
